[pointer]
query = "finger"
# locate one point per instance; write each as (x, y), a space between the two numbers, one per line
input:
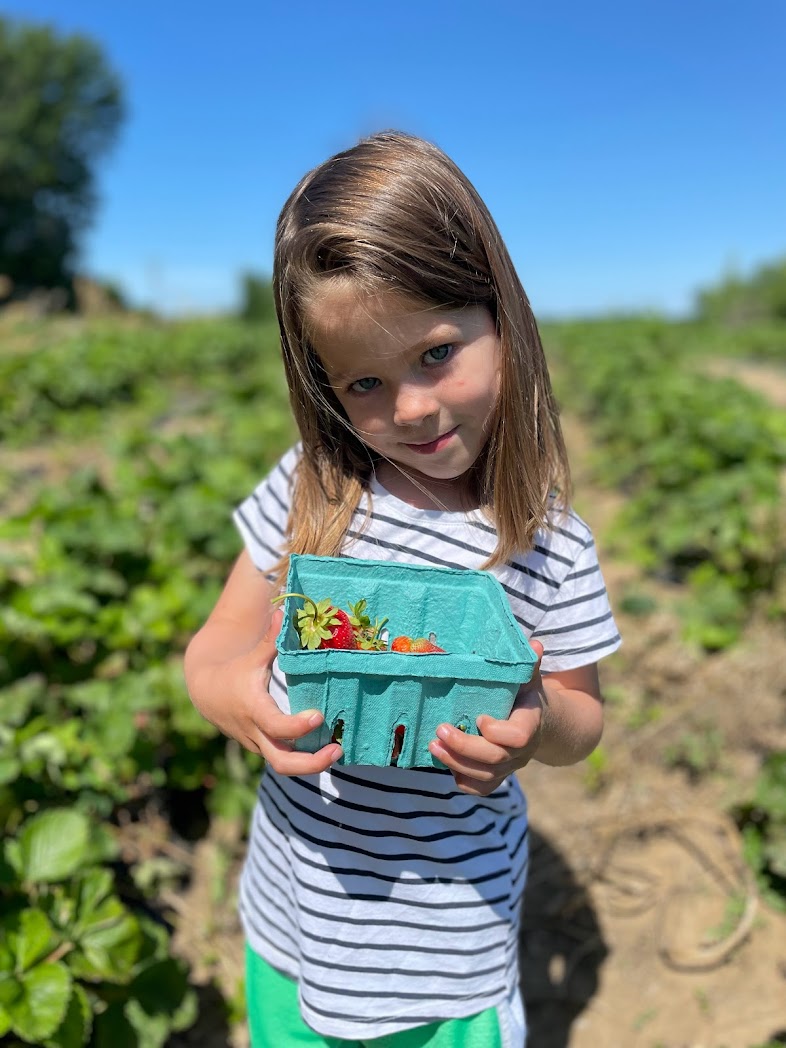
(475, 748)
(466, 766)
(537, 647)
(476, 789)
(274, 724)
(285, 760)
(513, 734)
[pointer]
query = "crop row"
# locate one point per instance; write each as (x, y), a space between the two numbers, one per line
(700, 462)
(103, 577)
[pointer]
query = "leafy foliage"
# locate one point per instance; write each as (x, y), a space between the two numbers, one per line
(257, 305)
(763, 823)
(700, 463)
(74, 960)
(60, 108)
(739, 302)
(103, 578)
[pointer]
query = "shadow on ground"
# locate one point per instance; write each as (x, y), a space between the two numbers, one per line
(561, 948)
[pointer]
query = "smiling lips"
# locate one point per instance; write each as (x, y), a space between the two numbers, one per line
(432, 445)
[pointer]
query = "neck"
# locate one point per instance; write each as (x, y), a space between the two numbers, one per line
(416, 489)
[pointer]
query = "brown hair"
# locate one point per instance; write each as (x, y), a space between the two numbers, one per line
(394, 213)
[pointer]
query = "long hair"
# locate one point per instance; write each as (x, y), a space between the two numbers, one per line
(394, 213)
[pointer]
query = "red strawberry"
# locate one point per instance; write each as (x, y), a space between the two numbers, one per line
(343, 634)
(322, 625)
(401, 644)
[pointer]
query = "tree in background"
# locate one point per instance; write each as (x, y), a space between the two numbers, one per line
(257, 304)
(60, 108)
(737, 301)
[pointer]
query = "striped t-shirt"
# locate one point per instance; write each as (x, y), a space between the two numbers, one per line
(391, 896)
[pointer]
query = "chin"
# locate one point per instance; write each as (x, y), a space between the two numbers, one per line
(443, 472)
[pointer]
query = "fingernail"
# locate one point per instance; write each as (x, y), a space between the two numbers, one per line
(315, 718)
(443, 732)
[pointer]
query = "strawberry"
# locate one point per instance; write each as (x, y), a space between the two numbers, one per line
(422, 646)
(322, 625)
(418, 646)
(343, 634)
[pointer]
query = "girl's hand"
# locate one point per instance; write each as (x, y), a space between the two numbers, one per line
(481, 762)
(247, 713)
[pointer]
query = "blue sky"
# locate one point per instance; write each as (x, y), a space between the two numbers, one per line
(630, 152)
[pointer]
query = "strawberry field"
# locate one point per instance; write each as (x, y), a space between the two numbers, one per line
(126, 444)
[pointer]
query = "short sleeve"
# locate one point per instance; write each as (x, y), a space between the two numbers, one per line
(578, 626)
(262, 518)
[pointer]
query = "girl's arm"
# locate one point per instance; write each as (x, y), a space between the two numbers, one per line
(557, 719)
(227, 668)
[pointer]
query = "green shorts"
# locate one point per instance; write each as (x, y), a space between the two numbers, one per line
(281, 1025)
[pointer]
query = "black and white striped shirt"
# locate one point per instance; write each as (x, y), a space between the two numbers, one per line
(391, 896)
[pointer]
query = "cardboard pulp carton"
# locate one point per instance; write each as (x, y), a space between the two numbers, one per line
(366, 695)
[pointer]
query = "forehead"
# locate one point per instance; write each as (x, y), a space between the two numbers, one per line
(345, 322)
(342, 310)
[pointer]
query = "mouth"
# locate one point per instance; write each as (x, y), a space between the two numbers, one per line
(433, 445)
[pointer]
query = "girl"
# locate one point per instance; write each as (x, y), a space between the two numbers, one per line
(381, 905)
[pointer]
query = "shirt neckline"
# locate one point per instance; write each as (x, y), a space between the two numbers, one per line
(404, 509)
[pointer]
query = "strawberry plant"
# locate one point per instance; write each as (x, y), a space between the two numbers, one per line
(103, 578)
(762, 820)
(77, 966)
(699, 461)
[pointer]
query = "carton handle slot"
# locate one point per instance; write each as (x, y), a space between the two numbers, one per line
(398, 744)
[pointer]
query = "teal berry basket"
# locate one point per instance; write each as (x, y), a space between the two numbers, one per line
(366, 695)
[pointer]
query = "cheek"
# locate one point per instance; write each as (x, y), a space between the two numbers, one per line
(362, 417)
(477, 391)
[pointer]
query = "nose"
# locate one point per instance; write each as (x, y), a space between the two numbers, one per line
(412, 405)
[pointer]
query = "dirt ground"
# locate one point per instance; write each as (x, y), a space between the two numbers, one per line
(642, 926)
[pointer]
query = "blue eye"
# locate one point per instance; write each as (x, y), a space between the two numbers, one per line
(364, 385)
(438, 354)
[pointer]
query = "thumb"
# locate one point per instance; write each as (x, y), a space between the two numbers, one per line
(537, 647)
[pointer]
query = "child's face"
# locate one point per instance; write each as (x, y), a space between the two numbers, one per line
(418, 384)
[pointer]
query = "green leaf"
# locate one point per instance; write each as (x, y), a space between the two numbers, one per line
(9, 769)
(74, 1031)
(53, 845)
(161, 986)
(152, 1030)
(92, 889)
(108, 944)
(113, 1030)
(35, 937)
(42, 1006)
(162, 990)
(775, 850)
(771, 786)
